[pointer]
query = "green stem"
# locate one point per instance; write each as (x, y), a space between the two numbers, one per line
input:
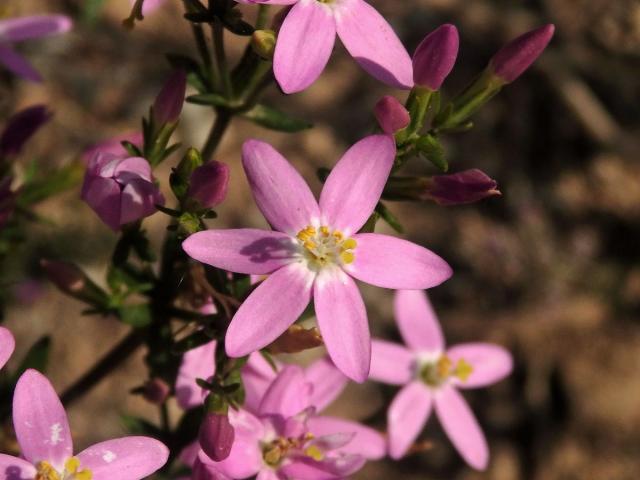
(203, 51)
(221, 57)
(222, 121)
(263, 16)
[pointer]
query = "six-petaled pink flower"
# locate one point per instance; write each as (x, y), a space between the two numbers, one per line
(431, 377)
(308, 34)
(7, 345)
(286, 439)
(16, 30)
(316, 251)
(43, 433)
(120, 189)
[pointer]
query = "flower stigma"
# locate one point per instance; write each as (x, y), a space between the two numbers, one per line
(277, 450)
(437, 373)
(45, 471)
(323, 247)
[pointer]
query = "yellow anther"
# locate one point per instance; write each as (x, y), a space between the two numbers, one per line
(463, 370)
(349, 244)
(83, 475)
(72, 465)
(338, 235)
(347, 257)
(309, 245)
(325, 231)
(310, 230)
(444, 366)
(273, 455)
(46, 472)
(314, 452)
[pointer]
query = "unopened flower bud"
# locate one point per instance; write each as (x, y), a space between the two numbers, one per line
(459, 188)
(391, 115)
(168, 104)
(515, 57)
(208, 184)
(20, 127)
(156, 391)
(263, 43)
(64, 275)
(216, 436)
(435, 57)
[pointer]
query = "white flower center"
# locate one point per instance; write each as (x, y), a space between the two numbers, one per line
(322, 247)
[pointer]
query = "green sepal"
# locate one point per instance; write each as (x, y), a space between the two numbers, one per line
(137, 316)
(431, 148)
(274, 119)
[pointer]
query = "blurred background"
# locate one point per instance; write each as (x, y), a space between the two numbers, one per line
(550, 270)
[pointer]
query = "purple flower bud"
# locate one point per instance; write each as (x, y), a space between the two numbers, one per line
(120, 190)
(460, 188)
(216, 436)
(156, 391)
(64, 275)
(7, 200)
(515, 57)
(391, 115)
(168, 104)
(435, 57)
(208, 184)
(21, 127)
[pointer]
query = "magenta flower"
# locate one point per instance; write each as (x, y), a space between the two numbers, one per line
(43, 433)
(431, 377)
(120, 190)
(7, 345)
(435, 57)
(315, 251)
(208, 184)
(16, 30)
(467, 186)
(113, 146)
(285, 439)
(391, 115)
(307, 37)
(168, 104)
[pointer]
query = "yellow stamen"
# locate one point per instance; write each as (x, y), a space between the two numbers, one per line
(314, 452)
(349, 244)
(325, 231)
(46, 472)
(444, 366)
(347, 257)
(463, 370)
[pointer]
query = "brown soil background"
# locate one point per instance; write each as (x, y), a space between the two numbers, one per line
(549, 270)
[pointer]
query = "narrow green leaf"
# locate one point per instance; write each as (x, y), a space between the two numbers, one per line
(208, 99)
(389, 217)
(273, 119)
(431, 148)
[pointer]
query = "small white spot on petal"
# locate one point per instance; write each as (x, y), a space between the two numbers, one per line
(56, 430)
(109, 456)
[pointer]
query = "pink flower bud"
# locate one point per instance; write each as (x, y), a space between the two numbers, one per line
(391, 115)
(216, 436)
(20, 127)
(465, 187)
(208, 184)
(156, 391)
(435, 57)
(120, 190)
(64, 275)
(168, 104)
(515, 57)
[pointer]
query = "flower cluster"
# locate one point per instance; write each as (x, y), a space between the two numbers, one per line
(216, 305)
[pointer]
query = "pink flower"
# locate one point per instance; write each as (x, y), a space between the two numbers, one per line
(391, 115)
(149, 6)
(431, 377)
(208, 184)
(43, 433)
(285, 439)
(308, 33)
(315, 251)
(7, 345)
(120, 190)
(113, 146)
(16, 30)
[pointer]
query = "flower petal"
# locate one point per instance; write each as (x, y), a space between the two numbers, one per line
(132, 168)
(328, 382)
(342, 319)
(305, 468)
(196, 363)
(305, 42)
(40, 421)
(17, 64)
(269, 310)
(36, 26)
(126, 458)
(490, 363)
(390, 262)
(288, 395)
(103, 196)
(281, 193)
(257, 375)
(391, 363)
(407, 416)
(7, 345)
(139, 199)
(417, 321)
(355, 184)
(14, 468)
(461, 427)
(366, 441)
(245, 250)
(373, 44)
